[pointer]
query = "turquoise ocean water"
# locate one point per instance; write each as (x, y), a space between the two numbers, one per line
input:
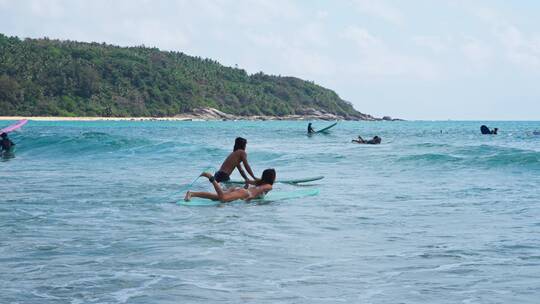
(436, 214)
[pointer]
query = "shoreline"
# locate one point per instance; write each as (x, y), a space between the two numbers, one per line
(209, 114)
(175, 118)
(92, 118)
(87, 118)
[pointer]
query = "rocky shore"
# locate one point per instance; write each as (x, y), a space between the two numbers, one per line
(203, 114)
(307, 114)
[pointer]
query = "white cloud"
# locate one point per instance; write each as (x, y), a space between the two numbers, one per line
(322, 14)
(478, 52)
(372, 57)
(260, 12)
(47, 9)
(379, 9)
(433, 43)
(309, 63)
(465, 51)
(152, 32)
(521, 49)
(362, 38)
(313, 34)
(297, 53)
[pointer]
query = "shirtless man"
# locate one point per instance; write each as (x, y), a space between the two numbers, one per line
(6, 143)
(233, 161)
(310, 129)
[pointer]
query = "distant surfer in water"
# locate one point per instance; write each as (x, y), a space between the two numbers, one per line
(260, 188)
(310, 129)
(374, 141)
(234, 160)
(6, 143)
(485, 130)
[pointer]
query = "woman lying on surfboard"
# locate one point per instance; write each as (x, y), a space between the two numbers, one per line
(375, 141)
(259, 189)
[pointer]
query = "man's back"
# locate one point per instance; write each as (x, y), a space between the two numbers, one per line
(6, 144)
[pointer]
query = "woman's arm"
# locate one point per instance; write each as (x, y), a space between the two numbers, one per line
(251, 182)
(257, 191)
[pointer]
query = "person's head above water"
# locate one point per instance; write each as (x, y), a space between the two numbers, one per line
(268, 177)
(240, 143)
(4, 135)
(377, 139)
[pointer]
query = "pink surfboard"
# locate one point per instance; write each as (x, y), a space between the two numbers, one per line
(14, 126)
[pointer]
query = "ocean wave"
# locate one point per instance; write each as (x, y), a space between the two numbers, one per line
(43, 145)
(485, 156)
(76, 144)
(496, 156)
(430, 158)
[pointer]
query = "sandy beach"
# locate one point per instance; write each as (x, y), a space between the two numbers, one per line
(203, 114)
(64, 118)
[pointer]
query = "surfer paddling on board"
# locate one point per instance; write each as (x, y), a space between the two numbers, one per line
(260, 188)
(235, 160)
(485, 130)
(6, 143)
(374, 141)
(310, 129)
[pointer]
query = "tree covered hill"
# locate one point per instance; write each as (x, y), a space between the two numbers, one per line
(42, 77)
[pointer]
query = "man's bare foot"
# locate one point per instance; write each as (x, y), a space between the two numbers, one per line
(187, 198)
(206, 174)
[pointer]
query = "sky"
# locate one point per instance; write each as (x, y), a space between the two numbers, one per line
(412, 59)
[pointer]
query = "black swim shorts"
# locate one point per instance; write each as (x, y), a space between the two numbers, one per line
(221, 176)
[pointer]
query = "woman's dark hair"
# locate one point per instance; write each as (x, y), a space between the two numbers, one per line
(240, 143)
(268, 177)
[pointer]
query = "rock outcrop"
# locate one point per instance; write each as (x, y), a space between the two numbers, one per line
(388, 118)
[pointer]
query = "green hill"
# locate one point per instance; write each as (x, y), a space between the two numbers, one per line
(42, 77)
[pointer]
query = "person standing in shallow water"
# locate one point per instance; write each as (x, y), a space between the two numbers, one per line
(310, 129)
(235, 160)
(6, 143)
